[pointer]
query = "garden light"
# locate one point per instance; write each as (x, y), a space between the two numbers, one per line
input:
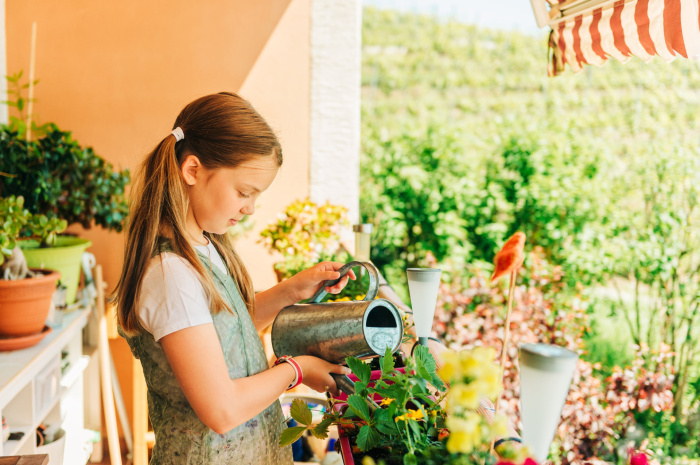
(423, 286)
(545, 376)
(362, 241)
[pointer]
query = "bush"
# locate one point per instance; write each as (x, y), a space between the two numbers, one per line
(60, 179)
(597, 414)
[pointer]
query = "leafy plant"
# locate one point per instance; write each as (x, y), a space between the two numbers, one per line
(55, 175)
(408, 423)
(17, 221)
(305, 233)
(59, 178)
(17, 100)
(13, 217)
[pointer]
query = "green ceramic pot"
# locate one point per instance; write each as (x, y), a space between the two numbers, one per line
(65, 257)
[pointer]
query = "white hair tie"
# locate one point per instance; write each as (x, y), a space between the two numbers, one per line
(179, 135)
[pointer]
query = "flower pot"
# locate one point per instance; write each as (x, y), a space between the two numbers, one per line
(65, 257)
(25, 304)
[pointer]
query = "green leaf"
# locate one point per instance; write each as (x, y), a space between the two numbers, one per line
(410, 459)
(426, 368)
(384, 422)
(301, 412)
(359, 406)
(387, 362)
(321, 430)
(368, 438)
(291, 435)
(360, 388)
(360, 368)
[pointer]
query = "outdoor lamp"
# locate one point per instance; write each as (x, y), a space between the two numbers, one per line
(423, 286)
(362, 241)
(545, 376)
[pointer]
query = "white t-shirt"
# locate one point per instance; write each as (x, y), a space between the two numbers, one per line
(172, 297)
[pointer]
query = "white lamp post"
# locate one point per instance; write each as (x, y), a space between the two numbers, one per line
(423, 286)
(545, 376)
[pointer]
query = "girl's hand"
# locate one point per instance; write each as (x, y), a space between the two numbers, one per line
(306, 283)
(316, 373)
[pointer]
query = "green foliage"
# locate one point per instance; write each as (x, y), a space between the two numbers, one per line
(46, 230)
(17, 100)
(13, 217)
(17, 221)
(55, 175)
(410, 416)
(465, 140)
(60, 179)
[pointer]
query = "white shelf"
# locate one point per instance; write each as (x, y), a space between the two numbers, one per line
(12, 447)
(33, 390)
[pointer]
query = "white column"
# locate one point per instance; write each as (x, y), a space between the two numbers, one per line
(336, 48)
(3, 64)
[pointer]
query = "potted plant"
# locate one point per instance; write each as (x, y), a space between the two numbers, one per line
(25, 294)
(304, 234)
(62, 180)
(410, 417)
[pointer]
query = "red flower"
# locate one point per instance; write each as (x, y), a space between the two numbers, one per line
(638, 458)
(528, 461)
(510, 257)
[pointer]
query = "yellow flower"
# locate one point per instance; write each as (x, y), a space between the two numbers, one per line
(464, 396)
(449, 369)
(498, 427)
(410, 415)
(465, 432)
(386, 401)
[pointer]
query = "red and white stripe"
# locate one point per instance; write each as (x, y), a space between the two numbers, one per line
(620, 29)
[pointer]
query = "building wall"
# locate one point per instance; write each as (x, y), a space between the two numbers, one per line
(116, 74)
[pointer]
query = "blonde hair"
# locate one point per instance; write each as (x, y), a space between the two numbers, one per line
(222, 130)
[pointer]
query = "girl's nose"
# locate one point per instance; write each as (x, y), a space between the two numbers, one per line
(248, 209)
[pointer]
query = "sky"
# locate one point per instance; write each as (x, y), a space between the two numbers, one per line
(493, 14)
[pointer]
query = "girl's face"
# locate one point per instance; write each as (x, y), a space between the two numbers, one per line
(220, 198)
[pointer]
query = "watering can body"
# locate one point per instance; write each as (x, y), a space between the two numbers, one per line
(336, 330)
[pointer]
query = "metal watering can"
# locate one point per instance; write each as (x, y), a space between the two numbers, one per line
(336, 330)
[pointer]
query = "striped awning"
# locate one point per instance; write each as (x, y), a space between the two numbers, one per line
(621, 29)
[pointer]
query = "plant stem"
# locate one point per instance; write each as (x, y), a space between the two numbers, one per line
(506, 334)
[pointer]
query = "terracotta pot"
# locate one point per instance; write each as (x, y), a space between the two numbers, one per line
(25, 304)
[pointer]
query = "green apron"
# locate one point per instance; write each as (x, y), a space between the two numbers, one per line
(181, 437)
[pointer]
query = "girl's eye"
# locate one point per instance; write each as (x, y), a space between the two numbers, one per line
(245, 196)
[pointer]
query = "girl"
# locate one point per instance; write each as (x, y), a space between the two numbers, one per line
(185, 301)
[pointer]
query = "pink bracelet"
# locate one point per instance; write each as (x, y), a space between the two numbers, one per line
(298, 377)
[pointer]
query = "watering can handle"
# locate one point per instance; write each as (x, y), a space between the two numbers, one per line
(371, 272)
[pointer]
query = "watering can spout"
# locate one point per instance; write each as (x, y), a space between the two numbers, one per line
(334, 331)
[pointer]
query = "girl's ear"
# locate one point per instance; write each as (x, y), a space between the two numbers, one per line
(191, 169)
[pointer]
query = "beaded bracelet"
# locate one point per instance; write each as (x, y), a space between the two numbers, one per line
(299, 374)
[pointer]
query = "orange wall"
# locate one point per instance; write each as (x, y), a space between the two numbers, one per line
(116, 74)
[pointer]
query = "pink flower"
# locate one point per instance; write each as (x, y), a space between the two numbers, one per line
(638, 458)
(528, 461)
